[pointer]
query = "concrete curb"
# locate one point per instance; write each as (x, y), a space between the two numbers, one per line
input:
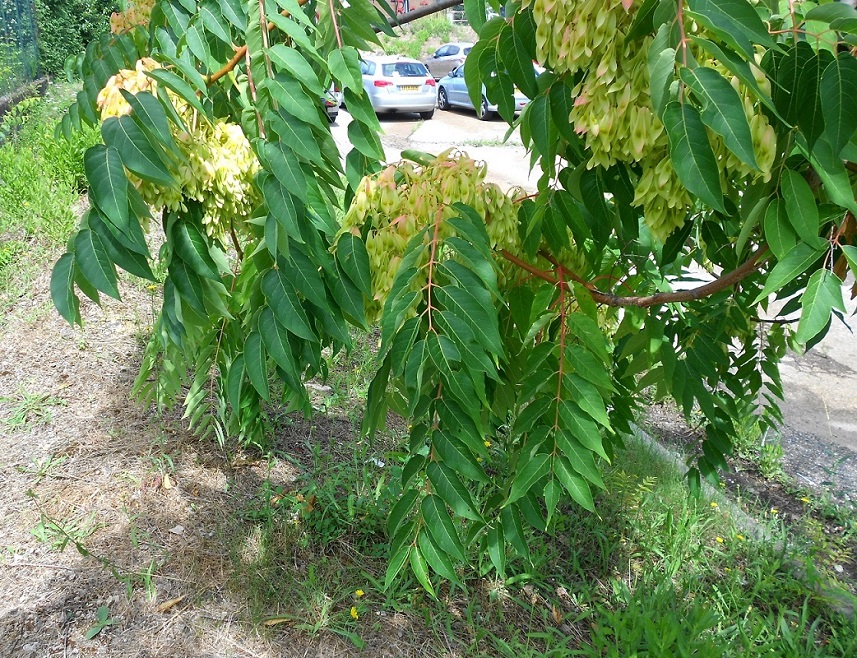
(839, 599)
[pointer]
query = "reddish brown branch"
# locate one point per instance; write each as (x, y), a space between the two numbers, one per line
(401, 19)
(609, 299)
(241, 52)
(236, 244)
(562, 334)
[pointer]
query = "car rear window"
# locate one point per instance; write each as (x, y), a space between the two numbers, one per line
(404, 70)
(467, 51)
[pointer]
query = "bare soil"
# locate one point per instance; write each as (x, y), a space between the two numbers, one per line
(161, 513)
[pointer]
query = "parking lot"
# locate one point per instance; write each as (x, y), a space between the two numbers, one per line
(484, 140)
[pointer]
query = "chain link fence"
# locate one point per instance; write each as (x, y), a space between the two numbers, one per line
(19, 50)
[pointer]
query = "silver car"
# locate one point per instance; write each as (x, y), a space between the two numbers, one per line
(452, 92)
(399, 84)
(447, 57)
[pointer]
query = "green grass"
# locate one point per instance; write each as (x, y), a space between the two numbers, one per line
(26, 410)
(656, 573)
(41, 181)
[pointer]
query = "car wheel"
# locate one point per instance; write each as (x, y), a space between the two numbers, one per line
(483, 113)
(427, 115)
(442, 100)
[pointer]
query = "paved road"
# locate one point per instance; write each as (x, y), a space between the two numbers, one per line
(820, 410)
(484, 140)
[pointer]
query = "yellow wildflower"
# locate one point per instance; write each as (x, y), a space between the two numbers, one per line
(714, 505)
(805, 500)
(359, 593)
(719, 540)
(354, 614)
(774, 510)
(739, 537)
(487, 444)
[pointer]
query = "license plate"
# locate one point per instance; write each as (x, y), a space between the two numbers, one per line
(409, 88)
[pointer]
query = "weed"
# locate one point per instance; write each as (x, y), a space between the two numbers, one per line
(29, 410)
(102, 621)
(60, 533)
(44, 467)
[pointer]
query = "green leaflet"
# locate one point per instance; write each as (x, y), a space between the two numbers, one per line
(62, 289)
(255, 361)
(575, 485)
(458, 457)
(290, 94)
(510, 519)
(448, 486)
(661, 63)
(795, 262)
(179, 86)
(420, 569)
(734, 21)
(93, 262)
(196, 42)
(298, 136)
(581, 427)
(538, 119)
(496, 544)
(800, 206)
(738, 66)
(518, 63)
(109, 188)
(294, 62)
(191, 246)
(352, 257)
(138, 153)
(394, 566)
(464, 305)
(643, 21)
(579, 458)
(435, 558)
(130, 261)
(475, 13)
(850, 254)
(440, 525)
(691, 154)
(152, 118)
(586, 396)
(286, 305)
(722, 111)
(823, 294)
(838, 88)
(552, 493)
(276, 340)
(526, 478)
(365, 140)
(345, 66)
(189, 285)
(400, 510)
(213, 20)
(779, 233)
(286, 168)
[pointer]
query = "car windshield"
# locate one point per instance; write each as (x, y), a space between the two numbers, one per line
(404, 70)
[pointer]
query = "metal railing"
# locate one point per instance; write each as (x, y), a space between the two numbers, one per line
(19, 50)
